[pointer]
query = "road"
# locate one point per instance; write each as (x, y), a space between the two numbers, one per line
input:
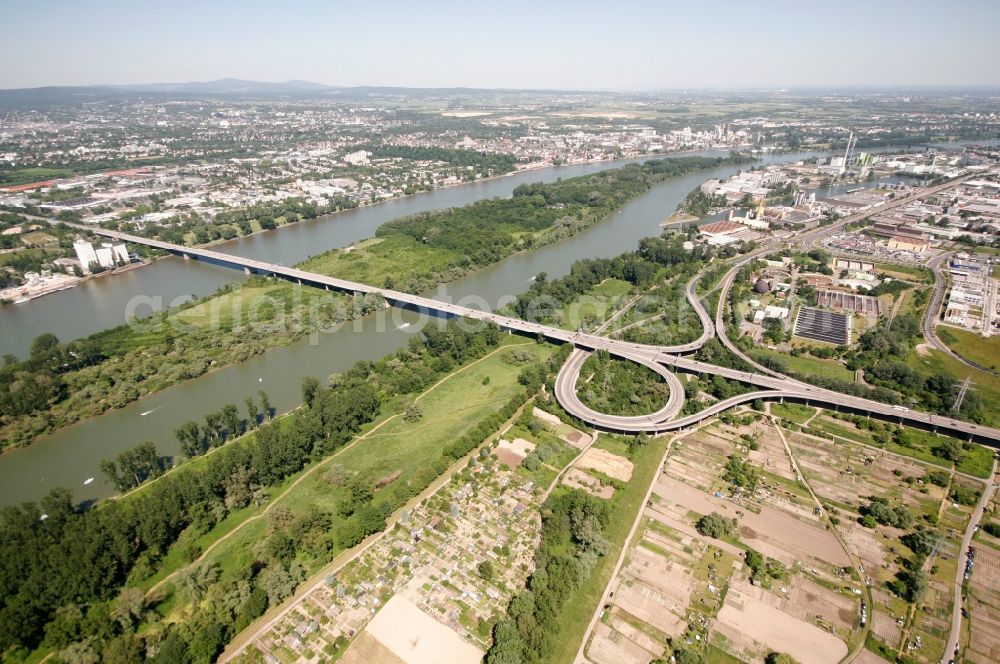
(929, 323)
(831, 229)
(649, 355)
(956, 609)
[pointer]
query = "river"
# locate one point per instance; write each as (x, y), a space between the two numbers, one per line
(71, 455)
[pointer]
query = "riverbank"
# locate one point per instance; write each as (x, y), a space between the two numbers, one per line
(72, 454)
(175, 346)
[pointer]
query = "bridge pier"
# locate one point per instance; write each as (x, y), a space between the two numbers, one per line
(246, 270)
(186, 256)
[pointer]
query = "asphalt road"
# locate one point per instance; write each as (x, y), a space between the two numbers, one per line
(656, 358)
(956, 613)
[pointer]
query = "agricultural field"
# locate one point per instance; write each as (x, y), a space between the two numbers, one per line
(433, 586)
(813, 540)
(680, 589)
(903, 518)
(980, 636)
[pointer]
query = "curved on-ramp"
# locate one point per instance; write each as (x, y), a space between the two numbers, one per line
(568, 398)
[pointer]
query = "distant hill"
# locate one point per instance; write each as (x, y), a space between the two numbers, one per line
(237, 88)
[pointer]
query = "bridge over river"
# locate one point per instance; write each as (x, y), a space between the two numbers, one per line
(664, 360)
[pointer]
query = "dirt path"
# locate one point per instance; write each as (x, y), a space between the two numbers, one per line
(319, 465)
(855, 562)
(275, 614)
(580, 653)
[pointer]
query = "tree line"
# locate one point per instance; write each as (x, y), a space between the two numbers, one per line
(487, 231)
(572, 542)
(62, 577)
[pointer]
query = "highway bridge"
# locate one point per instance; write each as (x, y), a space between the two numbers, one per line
(664, 360)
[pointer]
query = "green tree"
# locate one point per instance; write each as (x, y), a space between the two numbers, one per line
(715, 525)
(265, 404)
(253, 413)
(231, 419)
(43, 345)
(189, 436)
(486, 570)
(310, 388)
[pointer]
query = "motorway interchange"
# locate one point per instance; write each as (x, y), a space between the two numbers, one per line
(663, 360)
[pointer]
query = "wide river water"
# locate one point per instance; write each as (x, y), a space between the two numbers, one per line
(70, 456)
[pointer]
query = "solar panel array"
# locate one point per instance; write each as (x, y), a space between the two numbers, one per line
(822, 325)
(862, 304)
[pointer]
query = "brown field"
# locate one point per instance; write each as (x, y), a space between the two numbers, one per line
(416, 638)
(574, 437)
(612, 647)
(755, 621)
(578, 479)
(843, 474)
(868, 657)
(772, 532)
(606, 462)
(513, 453)
(984, 602)
(885, 627)
(545, 416)
(366, 649)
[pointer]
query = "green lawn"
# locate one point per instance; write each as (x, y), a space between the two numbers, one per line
(227, 308)
(907, 272)
(987, 386)
(792, 412)
(842, 429)
(972, 345)
(614, 444)
(627, 502)
(807, 364)
(26, 175)
(374, 261)
(455, 406)
(917, 444)
(594, 305)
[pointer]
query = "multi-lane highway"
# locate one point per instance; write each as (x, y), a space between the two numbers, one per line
(655, 357)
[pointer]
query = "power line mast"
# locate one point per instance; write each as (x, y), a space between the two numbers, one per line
(961, 393)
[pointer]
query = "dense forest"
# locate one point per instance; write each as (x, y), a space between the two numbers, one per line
(621, 387)
(488, 231)
(573, 525)
(656, 258)
(486, 164)
(68, 580)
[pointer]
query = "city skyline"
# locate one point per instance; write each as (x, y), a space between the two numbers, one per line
(518, 46)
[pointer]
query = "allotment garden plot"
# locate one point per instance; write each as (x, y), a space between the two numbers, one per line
(903, 518)
(680, 589)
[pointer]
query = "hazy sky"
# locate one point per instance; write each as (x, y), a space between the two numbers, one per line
(615, 44)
